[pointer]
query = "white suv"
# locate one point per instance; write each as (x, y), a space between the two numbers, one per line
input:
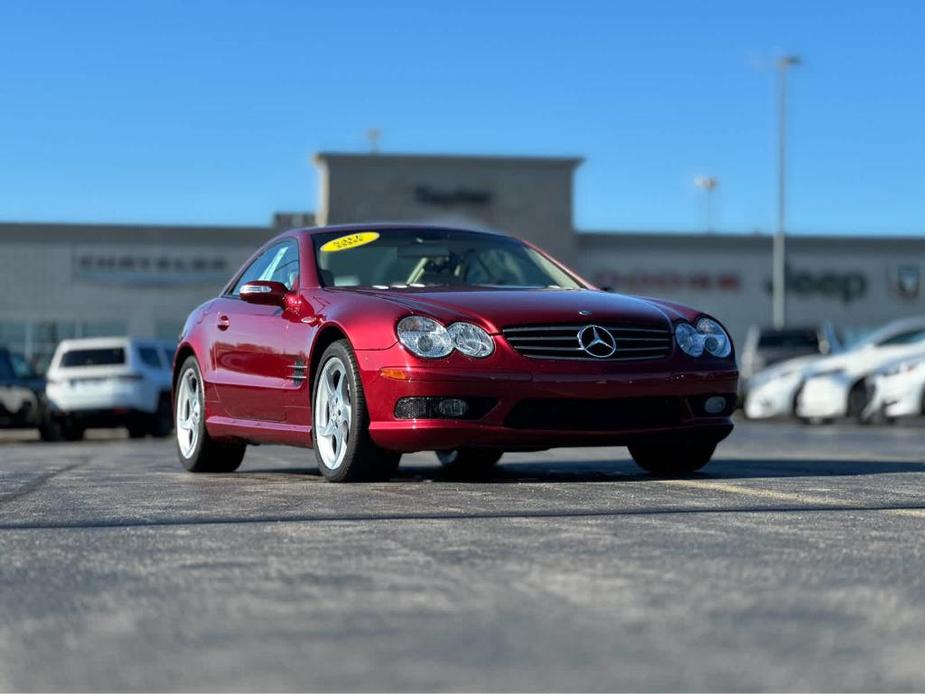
(109, 382)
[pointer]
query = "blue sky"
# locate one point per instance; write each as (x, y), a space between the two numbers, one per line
(207, 112)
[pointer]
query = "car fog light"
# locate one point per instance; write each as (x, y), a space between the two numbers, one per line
(452, 407)
(715, 404)
(412, 408)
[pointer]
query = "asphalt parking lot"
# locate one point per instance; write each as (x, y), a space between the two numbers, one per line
(795, 561)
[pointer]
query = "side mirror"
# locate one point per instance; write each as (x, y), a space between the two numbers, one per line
(266, 293)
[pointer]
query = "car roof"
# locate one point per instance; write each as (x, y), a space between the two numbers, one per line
(895, 327)
(91, 342)
(108, 342)
(392, 226)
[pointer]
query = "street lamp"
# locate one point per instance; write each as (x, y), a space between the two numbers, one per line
(779, 279)
(708, 184)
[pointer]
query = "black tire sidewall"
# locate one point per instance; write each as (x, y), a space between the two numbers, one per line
(351, 468)
(191, 462)
(364, 460)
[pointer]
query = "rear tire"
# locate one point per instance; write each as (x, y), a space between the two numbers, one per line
(162, 421)
(197, 451)
(857, 401)
(675, 459)
(60, 427)
(344, 450)
(469, 463)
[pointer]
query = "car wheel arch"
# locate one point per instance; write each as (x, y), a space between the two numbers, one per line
(184, 351)
(326, 336)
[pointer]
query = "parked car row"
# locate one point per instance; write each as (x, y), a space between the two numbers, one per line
(877, 378)
(96, 382)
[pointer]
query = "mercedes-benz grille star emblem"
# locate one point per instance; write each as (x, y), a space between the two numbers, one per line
(597, 341)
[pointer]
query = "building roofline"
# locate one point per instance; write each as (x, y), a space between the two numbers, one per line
(573, 162)
(57, 232)
(756, 239)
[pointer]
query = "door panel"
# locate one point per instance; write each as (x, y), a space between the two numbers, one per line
(253, 364)
(251, 368)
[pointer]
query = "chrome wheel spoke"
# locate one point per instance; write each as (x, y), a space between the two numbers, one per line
(332, 413)
(189, 413)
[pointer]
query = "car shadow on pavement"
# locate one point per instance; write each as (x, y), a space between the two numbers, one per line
(605, 471)
(587, 471)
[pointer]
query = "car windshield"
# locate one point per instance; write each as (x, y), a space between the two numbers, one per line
(788, 339)
(107, 356)
(402, 258)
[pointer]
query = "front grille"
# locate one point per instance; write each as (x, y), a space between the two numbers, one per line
(633, 342)
(614, 414)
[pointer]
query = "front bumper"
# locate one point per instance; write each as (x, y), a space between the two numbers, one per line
(774, 398)
(898, 395)
(509, 385)
(824, 397)
(105, 396)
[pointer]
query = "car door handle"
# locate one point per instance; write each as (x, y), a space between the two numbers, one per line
(223, 323)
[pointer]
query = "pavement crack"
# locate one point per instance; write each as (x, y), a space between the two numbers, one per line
(38, 482)
(913, 511)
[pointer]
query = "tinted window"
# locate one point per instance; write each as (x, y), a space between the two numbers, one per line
(21, 367)
(93, 357)
(149, 357)
(279, 263)
(905, 338)
(6, 368)
(789, 339)
(433, 258)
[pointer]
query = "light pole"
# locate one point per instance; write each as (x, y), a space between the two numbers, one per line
(779, 280)
(708, 184)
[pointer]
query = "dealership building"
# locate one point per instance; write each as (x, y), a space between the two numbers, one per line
(78, 280)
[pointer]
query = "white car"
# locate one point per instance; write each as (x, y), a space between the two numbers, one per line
(772, 392)
(898, 389)
(837, 386)
(110, 382)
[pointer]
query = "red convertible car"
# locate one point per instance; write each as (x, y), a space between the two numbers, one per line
(366, 342)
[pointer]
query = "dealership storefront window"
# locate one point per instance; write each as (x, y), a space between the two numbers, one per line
(37, 340)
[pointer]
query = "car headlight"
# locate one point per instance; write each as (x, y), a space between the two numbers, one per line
(688, 340)
(897, 369)
(425, 337)
(471, 340)
(708, 336)
(715, 339)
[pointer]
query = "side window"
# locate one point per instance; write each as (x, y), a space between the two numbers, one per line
(149, 357)
(279, 263)
(284, 267)
(6, 367)
(906, 338)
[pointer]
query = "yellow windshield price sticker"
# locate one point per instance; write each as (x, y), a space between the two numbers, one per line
(352, 241)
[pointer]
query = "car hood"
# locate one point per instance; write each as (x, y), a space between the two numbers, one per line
(496, 309)
(863, 360)
(796, 366)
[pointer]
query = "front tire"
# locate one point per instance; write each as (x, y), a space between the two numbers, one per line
(469, 463)
(676, 459)
(199, 452)
(162, 421)
(344, 450)
(857, 401)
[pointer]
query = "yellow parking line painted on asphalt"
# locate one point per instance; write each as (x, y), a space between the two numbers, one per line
(781, 496)
(914, 512)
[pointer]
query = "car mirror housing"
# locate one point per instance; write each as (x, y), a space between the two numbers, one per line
(265, 293)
